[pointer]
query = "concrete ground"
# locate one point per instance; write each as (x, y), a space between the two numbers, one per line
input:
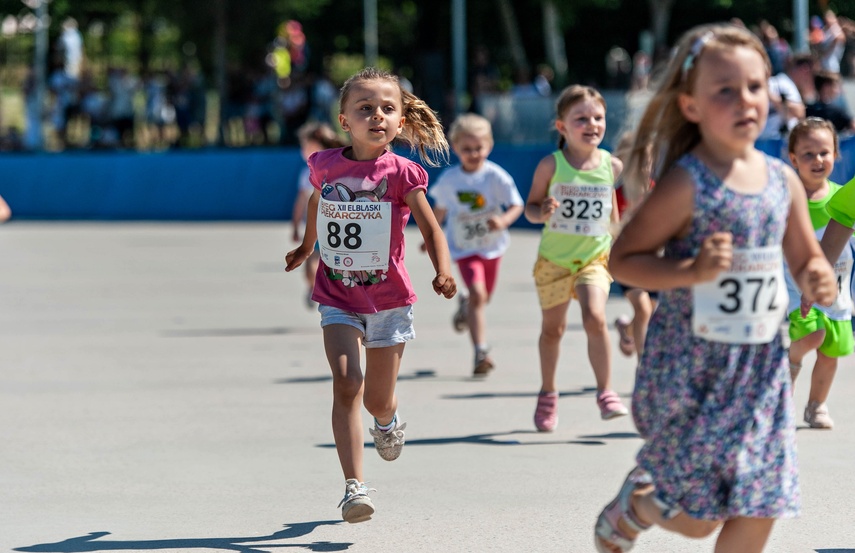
(163, 388)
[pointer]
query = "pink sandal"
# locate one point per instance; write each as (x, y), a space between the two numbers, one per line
(607, 531)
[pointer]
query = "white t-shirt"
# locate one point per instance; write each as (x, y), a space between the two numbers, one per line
(783, 86)
(469, 200)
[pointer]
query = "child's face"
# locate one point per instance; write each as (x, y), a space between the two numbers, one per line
(813, 157)
(472, 150)
(309, 147)
(583, 124)
(730, 99)
(373, 114)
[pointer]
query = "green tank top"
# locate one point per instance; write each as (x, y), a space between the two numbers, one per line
(819, 216)
(585, 216)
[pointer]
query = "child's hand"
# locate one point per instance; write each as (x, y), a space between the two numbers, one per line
(295, 258)
(548, 207)
(295, 236)
(444, 284)
(818, 283)
(804, 307)
(715, 256)
(495, 223)
(423, 247)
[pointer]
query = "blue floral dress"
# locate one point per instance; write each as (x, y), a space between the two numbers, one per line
(717, 418)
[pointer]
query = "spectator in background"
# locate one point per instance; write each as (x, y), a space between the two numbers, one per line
(641, 65)
(71, 46)
(484, 76)
(800, 70)
(827, 105)
(785, 107)
(776, 47)
(832, 45)
(121, 87)
(815, 34)
(543, 80)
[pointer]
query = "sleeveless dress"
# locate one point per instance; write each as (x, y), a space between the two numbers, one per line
(717, 418)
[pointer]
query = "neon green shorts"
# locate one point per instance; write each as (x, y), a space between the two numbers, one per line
(838, 334)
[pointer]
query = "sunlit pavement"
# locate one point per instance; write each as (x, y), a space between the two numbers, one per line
(163, 387)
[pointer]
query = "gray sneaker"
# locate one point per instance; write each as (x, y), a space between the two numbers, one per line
(356, 506)
(816, 415)
(460, 320)
(389, 444)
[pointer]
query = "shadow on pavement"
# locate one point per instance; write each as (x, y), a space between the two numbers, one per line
(587, 391)
(91, 542)
(417, 375)
(487, 439)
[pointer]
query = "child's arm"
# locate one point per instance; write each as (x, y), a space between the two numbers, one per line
(538, 207)
(617, 169)
(506, 219)
(295, 257)
(5, 212)
(807, 262)
(297, 214)
(834, 239)
(666, 213)
(439, 213)
(437, 247)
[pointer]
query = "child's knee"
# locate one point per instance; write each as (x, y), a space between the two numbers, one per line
(346, 388)
(379, 406)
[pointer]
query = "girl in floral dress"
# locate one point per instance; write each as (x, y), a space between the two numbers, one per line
(712, 394)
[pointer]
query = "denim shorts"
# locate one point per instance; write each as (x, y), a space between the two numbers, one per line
(379, 330)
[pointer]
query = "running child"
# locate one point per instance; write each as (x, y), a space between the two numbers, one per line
(573, 194)
(363, 197)
(813, 147)
(477, 201)
(712, 393)
(313, 137)
(631, 330)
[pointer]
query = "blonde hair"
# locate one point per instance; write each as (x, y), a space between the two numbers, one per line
(572, 95)
(422, 129)
(808, 125)
(663, 134)
(470, 124)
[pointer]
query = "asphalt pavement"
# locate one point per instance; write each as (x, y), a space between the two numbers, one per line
(163, 388)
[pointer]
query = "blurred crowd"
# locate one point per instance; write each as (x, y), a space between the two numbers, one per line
(266, 102)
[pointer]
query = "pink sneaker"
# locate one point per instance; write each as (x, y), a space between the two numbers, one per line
(610, 405)
(546, 414)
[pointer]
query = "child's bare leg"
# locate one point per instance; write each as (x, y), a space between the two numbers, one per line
(649, 512)
(381, 375)
(593, 303)
(478, 299)
(801, 347)
(642, 307)
(744, 535)
(342, 344)
(822, 377)
(552, 329)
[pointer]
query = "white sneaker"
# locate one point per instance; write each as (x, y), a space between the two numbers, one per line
(356, 506)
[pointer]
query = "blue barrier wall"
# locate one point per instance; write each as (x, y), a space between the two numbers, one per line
(240, 184)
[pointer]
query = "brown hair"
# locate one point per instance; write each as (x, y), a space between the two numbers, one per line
(321, 133)
(664, 134)
(422, 129)
(808, 125)
(572, 95)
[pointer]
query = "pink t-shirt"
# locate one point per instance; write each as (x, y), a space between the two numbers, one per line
(388, 178)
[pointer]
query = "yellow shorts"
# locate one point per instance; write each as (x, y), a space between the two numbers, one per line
(557, 285)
